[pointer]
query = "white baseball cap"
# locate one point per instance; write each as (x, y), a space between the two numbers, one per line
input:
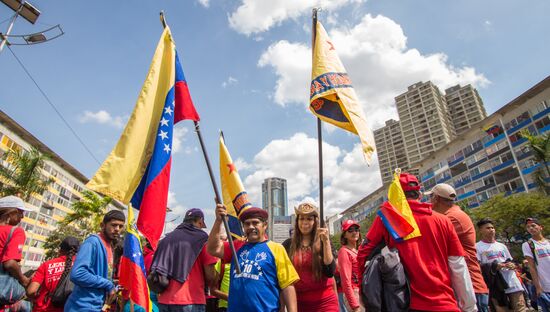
(443, 190)
(13, 202)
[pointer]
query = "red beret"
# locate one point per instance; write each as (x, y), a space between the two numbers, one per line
(253, 212)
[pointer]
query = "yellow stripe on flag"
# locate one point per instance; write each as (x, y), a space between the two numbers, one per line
(121, 172)
(332, 97)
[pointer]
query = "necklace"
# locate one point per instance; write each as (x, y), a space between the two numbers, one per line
(304, 247)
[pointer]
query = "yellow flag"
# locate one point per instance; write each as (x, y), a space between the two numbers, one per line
(332, 97)
(397, 198)
(120, 174)
(234, 195)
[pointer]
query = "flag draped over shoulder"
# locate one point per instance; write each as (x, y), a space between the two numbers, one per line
(138, 168)
(234, 196)
(332, 97)
(396, 214)
(133, 276)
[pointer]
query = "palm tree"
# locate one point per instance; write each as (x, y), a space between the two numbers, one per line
(84, 220)
(21, 176)
(540, 146)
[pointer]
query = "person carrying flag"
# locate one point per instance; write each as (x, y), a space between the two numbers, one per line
(93, 267)
(182, 258)
(266, 271)
(434, 262)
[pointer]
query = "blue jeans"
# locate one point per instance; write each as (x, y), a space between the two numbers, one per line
(182, 308)
(544, 301)
(341, 302)
(482, 302)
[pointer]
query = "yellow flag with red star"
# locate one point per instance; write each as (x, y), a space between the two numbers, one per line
(234, 195)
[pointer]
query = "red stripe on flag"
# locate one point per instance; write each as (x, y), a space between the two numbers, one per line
(152, 212)
(396, 220)
(134, 281)
(184, 108)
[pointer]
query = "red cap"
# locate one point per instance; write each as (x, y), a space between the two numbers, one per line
(409, 182)
(253, 212)
(349, 223)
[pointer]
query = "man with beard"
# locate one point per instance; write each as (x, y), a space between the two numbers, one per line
(266, 271)
(93, 267)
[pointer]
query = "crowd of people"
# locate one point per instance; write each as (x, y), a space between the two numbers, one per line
(444, 269)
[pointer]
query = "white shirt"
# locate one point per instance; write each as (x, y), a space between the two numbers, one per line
(490, 252)
(542, 250)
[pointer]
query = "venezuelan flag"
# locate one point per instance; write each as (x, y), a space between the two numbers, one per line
(234, 195)
(332, 97)
(138, 168)
(133, 276)
(396, 214)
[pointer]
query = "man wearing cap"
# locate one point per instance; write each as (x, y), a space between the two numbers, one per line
(92, 272)
(266, 270)
(181, 257)
(11, 214)
(443, 198)
(537, 252)
(434, 262)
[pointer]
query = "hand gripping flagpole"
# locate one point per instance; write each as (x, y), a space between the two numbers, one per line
(319, 129)
(213, 180)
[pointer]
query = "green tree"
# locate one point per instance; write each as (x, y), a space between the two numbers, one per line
(84, 220)
(22, 176)
(540, 147)
(509, 214)
(364, 226)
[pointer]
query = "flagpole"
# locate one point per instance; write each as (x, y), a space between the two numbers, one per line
(319, 129)
(212, 179)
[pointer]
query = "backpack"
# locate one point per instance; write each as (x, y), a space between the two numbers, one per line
(157, 282)
(61, 292)
(533, 251)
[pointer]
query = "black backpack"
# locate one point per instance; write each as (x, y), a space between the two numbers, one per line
(62, 292)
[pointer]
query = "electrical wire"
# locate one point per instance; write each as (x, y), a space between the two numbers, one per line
(53, 106)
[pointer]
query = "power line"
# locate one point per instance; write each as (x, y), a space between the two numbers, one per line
(53, 106)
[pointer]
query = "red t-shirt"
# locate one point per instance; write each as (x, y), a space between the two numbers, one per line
(424, 258)
(48, 275)
(467, 235)
(307, 288)
(14, 250)
(192, 290)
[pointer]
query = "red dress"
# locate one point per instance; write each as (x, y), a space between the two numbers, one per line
(312, 295)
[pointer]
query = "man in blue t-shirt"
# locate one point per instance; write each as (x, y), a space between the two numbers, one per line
(266, 270)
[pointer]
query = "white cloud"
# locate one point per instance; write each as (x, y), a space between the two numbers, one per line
(103, 117)
(204, 3)
(229, 82)
(347, 177)
(377, 58)
(178, 138)
(254, 16)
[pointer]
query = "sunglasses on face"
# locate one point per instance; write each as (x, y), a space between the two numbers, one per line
(353, 230)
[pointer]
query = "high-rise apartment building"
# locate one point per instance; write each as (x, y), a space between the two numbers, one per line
(274, 200)
(465, 107)
(391, 150)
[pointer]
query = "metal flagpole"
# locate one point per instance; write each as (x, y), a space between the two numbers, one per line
(319, 129)
(213, 180)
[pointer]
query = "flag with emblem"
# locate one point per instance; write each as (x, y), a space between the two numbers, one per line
(332, 97)
(234, 196)
(138, 169)
(133, 276)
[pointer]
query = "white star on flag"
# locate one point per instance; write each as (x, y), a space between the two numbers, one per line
(163, 135)
(167, 148)
(168, 110)
(164, 122)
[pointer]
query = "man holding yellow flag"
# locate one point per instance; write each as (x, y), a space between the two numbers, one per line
(434, 262)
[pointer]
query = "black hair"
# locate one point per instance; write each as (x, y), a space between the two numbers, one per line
(484, 221)
(114, 215)
(192, 219)
(412, 194)
(69, 247)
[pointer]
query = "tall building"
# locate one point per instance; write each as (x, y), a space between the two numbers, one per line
(51, 206)
(274, 200)
(465, 107)
(425, 121)
(391, 150)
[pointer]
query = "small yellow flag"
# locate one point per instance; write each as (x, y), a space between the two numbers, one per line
(396, 197)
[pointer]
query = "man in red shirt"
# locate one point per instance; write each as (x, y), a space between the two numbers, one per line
(11, 214)
(49, 274)
(434, 262)
(182, 258)
(443, 201)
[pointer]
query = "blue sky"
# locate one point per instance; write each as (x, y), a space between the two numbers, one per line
(248, 66)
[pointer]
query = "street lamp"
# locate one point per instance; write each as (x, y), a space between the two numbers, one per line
(31, 14)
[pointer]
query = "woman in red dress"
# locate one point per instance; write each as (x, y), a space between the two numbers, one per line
(311, 253)
(347, 265)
